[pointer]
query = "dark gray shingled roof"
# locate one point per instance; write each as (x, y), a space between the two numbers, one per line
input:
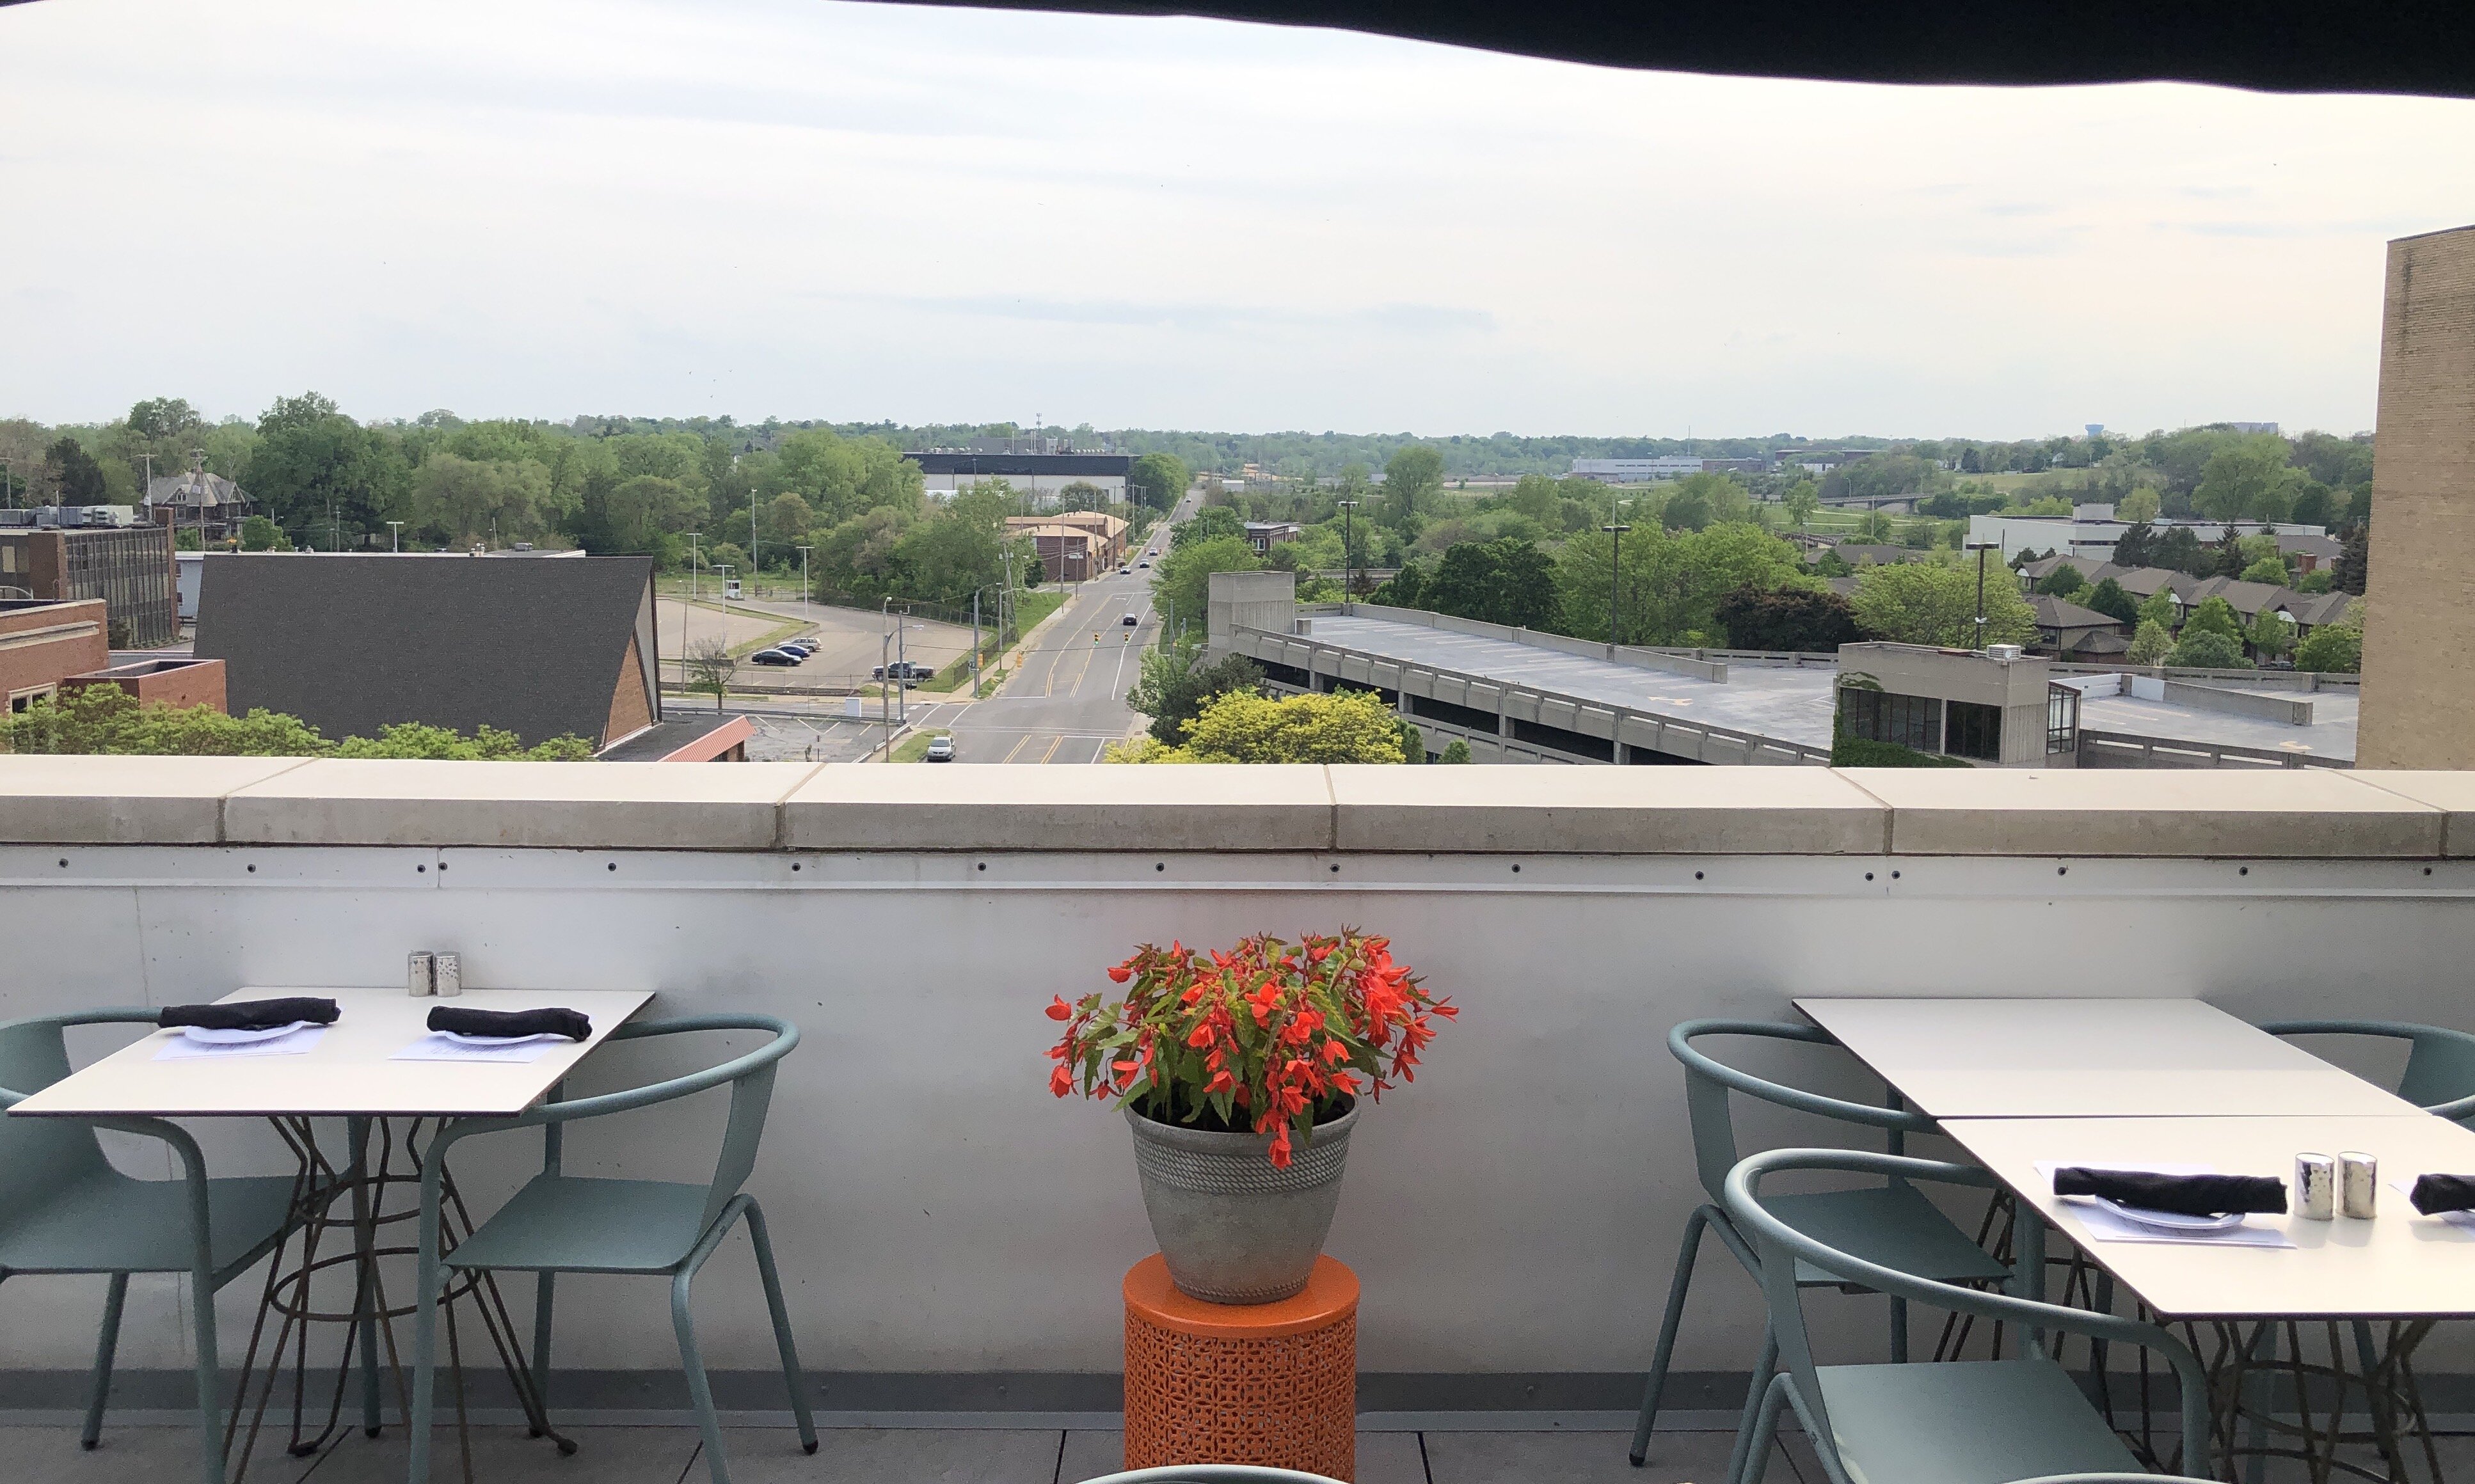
(353, 643)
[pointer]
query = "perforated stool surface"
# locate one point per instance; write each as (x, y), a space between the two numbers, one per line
(1258, 1383)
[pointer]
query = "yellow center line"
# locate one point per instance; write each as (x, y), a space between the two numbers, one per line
(1017, 748)
(1052, 748)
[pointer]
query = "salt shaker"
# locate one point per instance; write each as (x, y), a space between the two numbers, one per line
(2358, 1185)
(417, 972)
(451, 975)
(2316, 1187)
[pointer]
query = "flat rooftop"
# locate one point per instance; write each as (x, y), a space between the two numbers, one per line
(1793, 704)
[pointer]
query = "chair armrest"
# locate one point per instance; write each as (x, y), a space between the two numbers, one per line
(1679, 1042)
(786, 1036)
(113, 1014)
(2392, 1030)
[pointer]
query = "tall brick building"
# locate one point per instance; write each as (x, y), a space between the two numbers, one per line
(2420, 627)
(128, 567)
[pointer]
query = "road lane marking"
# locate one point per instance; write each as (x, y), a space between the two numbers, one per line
(1017, 748)
(1053, 745)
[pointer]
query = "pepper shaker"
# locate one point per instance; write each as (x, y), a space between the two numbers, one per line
(2316, 1187)
(418, 982)
(451, 975)
(2358, 1185)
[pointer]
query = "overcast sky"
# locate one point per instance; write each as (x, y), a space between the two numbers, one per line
(810, 209)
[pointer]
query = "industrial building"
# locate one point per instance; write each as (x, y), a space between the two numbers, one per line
(1516, 696)
(78, 552)
(1043, 477)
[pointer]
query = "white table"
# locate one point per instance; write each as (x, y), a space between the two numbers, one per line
(2089, 1059)
(348, 1073)
(2396, 1265)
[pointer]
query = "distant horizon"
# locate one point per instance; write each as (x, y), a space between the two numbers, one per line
(1161, 223)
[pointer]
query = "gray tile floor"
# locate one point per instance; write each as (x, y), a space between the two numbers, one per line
(767, 1455)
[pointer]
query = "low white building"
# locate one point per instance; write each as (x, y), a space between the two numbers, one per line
(1043, 477)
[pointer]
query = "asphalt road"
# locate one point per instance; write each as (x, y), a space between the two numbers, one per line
(1068, 702)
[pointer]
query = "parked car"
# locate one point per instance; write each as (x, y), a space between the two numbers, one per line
(800, 647)
(774, 657)
(940, 749)
(1130, 621)
(904, 670)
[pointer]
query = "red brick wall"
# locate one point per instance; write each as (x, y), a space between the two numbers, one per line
(43, 646)
(181, 683)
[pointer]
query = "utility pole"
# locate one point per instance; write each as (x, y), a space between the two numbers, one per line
(803, 582)
(689, 612)
(149, 482)
(1615, 575)
(1980, 548)
(753, 566)
(885, 680)
(395, 537)
(198, 457)
(975, 643)
(1348, 550)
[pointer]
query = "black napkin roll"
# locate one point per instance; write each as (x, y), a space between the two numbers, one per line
(250, 1014)
(575, 1025)
(2433, 1193)
(2185, 1194)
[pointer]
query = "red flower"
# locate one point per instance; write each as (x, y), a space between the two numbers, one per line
(1061, 1082)
(1059, 1009)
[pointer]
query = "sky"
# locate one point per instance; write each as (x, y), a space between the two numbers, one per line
(802, 209)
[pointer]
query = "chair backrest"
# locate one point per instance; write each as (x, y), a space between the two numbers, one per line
(1709, 1082)
(2439, 1073)
(1212, 1473)
(1781, 1247)
(39, 1157)
(751, 1095)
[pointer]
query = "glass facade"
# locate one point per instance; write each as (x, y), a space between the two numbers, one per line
(1974, 731)
(1877, 715)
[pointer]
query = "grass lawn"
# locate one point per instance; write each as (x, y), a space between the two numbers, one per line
(914, 747)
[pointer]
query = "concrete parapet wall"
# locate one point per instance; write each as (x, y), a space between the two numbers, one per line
(1670, 660)
(937, 1211)
(2293, 711)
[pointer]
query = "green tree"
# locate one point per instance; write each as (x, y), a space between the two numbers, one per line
(2140, 505)
(320, 473)
(1182, 579)
(1787, 619)
(2268, 569)
(1411, 479)
(1240, 726)
(2062, 581)
(2354, 570)
(1507, 581)
(2150, 644)
(2248, 478)
(76, 478)
(257, 533)
(1687, 508)
(1802, 499)
(1174, 688)
(1158, 480)
(2317, 580)
(2271, 634)
(463, 501)
(1457, 750)
(1212, 522)
(2213, 616)
(2207, 649)
(1923, 603)
(2159, 608)
(2332, 648)
(2109, 598)
(709, 668)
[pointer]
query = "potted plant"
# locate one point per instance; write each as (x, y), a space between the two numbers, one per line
(1239, 1074)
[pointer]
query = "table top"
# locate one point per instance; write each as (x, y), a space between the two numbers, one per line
(2089, 1059)
(1331, 1296)
(2397, 1264)
(348, 1072)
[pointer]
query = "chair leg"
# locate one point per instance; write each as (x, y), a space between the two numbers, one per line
(699, 1389)
(791, 1374)
(209, 1369)
(1754, 1443)
(104, 1346)
(1898, 1332)
(1757, 1390)
(1677, 1288)
(543, 1287)
(425, 1353)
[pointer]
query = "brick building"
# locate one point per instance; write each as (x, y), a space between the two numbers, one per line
(43, 644)
(129, 568)
(2420, 627)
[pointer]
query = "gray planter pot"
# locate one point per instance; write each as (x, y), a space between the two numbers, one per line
(1235, 1229)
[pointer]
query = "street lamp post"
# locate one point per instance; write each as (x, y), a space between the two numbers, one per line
(395, 537)
(689, 612)
(1615, 577)
(753, 565)
(1348, 550)
(1980, 548)
(803, 582)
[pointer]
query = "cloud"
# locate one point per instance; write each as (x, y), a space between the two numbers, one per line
(818, 210)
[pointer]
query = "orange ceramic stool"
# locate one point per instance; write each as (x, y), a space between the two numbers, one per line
(1261, 1383)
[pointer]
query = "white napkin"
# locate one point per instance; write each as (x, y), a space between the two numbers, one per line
(2102, 1224)
(438, 1046)
(179, 1048)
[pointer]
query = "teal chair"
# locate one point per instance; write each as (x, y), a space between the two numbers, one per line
(561, 1223)
(2439, 1076)
(1888, 1223)
(1213, 1473)
(1989, 1422)
(65, 1210)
